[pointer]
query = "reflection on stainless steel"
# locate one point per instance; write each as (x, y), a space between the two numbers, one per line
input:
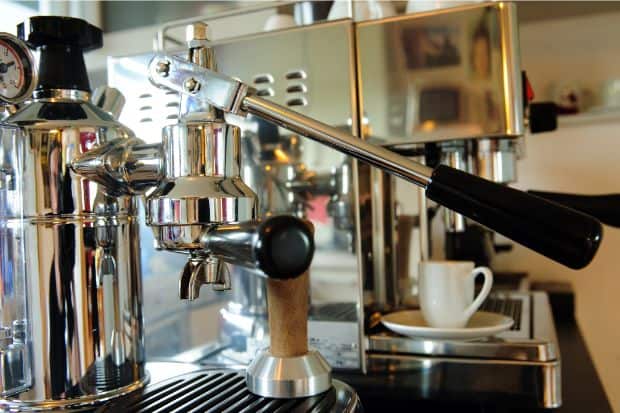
(230, 95)
(377, 156)
(281, 377)
(442, 75)
(124, 167)
(202, 184)
(531, 384)
(78, 248)
(109, 100)
(495, 159)
(528, 355)
(448, 80)
(454, 157)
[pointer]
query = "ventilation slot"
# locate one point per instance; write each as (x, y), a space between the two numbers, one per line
(295, 75)
(264, 78)
(297, 102)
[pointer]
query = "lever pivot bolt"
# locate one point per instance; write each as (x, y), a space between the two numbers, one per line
(163, 68)
(191, 85)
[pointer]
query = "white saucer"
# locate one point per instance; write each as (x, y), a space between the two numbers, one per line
(412, 324)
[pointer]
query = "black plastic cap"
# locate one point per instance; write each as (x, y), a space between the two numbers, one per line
(543, 117)
(61, 42)
(41, 31)
(286, 248)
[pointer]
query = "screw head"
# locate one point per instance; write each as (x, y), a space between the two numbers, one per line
(191, 85)
(163, 68)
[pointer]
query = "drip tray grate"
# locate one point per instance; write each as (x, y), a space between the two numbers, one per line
(222, 391)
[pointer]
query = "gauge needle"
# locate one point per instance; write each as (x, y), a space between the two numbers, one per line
(4, 67)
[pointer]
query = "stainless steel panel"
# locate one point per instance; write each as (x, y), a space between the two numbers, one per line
(531, 384)
(528, 356)
(441, 75)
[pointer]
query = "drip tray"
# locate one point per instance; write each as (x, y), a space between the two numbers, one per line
(224, 390)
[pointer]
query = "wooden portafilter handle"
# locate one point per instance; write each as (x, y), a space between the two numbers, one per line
(287, 305)
(282, 247)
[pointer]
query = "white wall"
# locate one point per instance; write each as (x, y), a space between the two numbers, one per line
(582, 158)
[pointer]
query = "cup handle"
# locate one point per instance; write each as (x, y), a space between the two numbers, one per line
(486, 289)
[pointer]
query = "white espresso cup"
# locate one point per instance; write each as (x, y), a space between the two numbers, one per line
(446, 292)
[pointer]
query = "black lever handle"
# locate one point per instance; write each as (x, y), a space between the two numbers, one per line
(281, 247)
(560, 233)
(605, 208)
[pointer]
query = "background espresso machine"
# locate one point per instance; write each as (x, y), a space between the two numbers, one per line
(444, 85)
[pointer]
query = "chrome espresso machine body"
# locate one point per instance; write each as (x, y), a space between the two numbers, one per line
(71, 306)
(343, 73)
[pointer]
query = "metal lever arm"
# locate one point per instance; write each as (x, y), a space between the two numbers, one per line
(562, 234)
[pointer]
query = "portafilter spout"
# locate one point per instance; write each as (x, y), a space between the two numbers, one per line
(562, 234)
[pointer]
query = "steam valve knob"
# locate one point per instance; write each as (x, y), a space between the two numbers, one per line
(62, 42)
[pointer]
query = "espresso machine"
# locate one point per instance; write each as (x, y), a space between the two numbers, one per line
(87, 171)
(72, 329)
(336, 71)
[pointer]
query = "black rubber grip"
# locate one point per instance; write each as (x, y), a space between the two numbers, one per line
(567, 236)
(605, 208)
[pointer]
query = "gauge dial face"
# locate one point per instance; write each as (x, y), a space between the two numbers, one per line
(12, 74)
(18, 75)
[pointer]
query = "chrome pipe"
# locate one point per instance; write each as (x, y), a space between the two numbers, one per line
(344, 142)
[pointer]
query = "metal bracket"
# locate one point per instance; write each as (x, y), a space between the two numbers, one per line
(182, 76)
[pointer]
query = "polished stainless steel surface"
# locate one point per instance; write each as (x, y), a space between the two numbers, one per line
(521, 383)
(202, 184)
(186, 387)
(442, 75)
(76, 249)
(288, 377)
(110, 100)
(122, 166)
(181, 75)
(455, 157)
(528, 355)
(495, 159)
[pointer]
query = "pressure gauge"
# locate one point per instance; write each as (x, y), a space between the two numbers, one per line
(18, 76)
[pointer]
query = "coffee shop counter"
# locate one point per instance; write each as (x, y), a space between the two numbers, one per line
(582, 390)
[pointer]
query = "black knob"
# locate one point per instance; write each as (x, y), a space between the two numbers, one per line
(281, 247)
(65, 31)
(286, 247)
(61, 42)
